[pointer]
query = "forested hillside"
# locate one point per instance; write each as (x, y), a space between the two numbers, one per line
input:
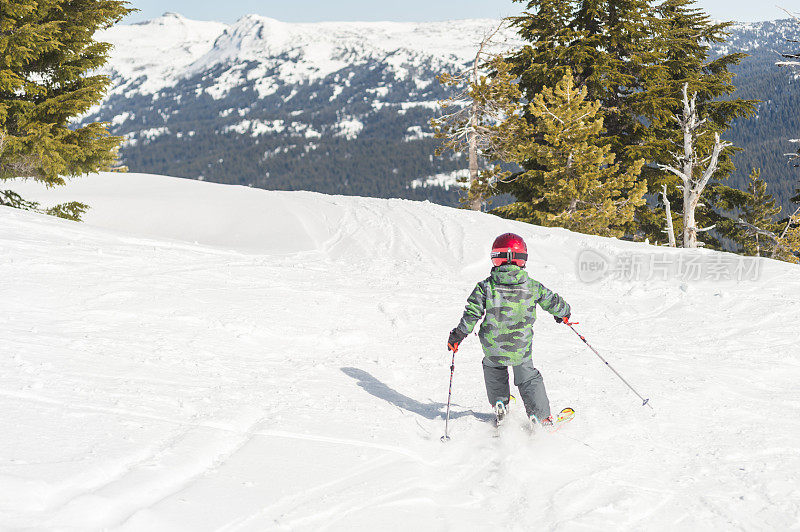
(344, 108)
(765, 137)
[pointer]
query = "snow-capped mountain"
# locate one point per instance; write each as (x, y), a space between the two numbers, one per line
(338, 107)
(157, 54)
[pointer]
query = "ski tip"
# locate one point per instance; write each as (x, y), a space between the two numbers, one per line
(445, 438)
(565, 415)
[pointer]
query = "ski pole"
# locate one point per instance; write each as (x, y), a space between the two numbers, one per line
(644, 401)
(449, 394)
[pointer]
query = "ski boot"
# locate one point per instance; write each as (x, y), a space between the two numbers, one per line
(500, 411)
(535, 422)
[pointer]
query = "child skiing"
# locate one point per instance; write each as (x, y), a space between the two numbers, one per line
(508, 299)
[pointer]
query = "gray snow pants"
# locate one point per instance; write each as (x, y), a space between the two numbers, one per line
(526, 378)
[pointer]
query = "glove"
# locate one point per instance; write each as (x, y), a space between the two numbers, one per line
(456, 337)
(564, 319)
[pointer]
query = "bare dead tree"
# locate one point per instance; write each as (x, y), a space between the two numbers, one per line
(668, 213)
(466, 128)
(688, 165)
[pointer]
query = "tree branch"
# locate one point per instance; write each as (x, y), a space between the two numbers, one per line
(674, 171)
(712, 166)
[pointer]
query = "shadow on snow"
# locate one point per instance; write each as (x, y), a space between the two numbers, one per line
(374, 387)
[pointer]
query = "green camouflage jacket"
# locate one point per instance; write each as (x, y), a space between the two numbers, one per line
(508, 298)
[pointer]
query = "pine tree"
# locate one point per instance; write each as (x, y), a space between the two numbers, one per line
(693, 169)
(47, 58)
(608, 47)
(760, 211)
(752, 221)
(574, 181)
(634, 57)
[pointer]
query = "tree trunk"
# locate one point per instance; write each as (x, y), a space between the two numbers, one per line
(670, 226)
(573, 206)
(475, 200)
(689, 225)
(689, 199)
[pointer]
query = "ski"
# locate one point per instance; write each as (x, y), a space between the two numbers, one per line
(563, 417)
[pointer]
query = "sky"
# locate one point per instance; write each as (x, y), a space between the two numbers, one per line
(406, 10)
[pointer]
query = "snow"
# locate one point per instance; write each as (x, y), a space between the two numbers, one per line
(380, 92)
(156, 52)
(256, 127)
(337, 90)
(121, 118)
(405, 106)
(202, 357)
(232, 77)
(445, 180)
(349, 128)
(152, 133)
(417, 133)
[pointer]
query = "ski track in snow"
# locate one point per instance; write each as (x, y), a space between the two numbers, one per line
(207, 357)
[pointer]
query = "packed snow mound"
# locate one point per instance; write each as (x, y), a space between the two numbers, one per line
(206, 357)
(275, 222)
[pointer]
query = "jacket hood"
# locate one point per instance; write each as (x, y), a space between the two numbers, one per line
(509, 274)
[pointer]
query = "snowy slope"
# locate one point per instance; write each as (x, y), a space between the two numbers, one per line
(202, 357)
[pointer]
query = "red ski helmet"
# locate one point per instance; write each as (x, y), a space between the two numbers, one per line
(509, 248)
